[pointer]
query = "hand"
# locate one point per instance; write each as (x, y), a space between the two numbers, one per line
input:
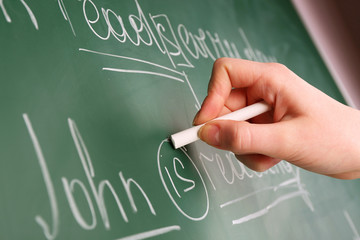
(305, 127)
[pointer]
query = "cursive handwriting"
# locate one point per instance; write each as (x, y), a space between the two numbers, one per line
(97, 191)
(66, 15)
(157, 30)
(195, 187)
(174, 42)
(6, 15)
(49, 233)
(181, 178)
(27, 8)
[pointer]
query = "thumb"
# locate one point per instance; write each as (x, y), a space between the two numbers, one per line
(273, 139)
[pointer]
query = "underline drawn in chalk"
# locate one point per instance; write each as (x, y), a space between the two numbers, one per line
(172, 75)
(265, 210)
(143, 72)
(352, 226)
(180, 43)
(51, 228)
(290, 183)
(134, 60)
(152, 233)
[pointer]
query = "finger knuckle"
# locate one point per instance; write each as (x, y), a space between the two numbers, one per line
(279, 67)
(241, 139)
(221, 62)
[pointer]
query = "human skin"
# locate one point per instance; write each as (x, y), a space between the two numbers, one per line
(305, 126)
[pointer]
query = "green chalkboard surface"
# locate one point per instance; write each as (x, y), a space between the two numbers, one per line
(91, 89)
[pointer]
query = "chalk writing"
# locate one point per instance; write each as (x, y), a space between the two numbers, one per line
(285, 184)
(204, 44)
(237, 169)
(6, 15)
(174, 44)
(97, 192)
(197, 103)
(177, 45)
(66, 15)
(49, 233)
(293, 186)
(232, 170)
(31, 14)
(69, 189)
(267, 208)
(197, 188)
(187, 180)
(138, 24)
(179, 76)
(27, 8)
(298, 191)
(143, 72)
(152, 233)
(352, 226)
(176, 162)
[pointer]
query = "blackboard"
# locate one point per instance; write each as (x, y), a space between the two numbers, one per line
(90, 90)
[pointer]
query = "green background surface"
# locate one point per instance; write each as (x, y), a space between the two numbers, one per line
(86, 105)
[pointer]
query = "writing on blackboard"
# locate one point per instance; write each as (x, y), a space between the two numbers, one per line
(181, 178)
(194, 182)
(180, 45)
(66, 15)
(28, 9)
(6, 15)
(169, 41)
(51, 230)
(231, 170)
(195, 187)
(352, 225)
(177, 44)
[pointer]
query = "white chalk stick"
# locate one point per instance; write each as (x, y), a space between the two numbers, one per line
(190, 135)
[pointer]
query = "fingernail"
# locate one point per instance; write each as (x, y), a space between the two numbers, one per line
(210, 134)
(195, 118)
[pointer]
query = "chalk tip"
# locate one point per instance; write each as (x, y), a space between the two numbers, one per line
(171, 141)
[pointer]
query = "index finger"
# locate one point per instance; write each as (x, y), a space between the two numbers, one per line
(227, 73)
